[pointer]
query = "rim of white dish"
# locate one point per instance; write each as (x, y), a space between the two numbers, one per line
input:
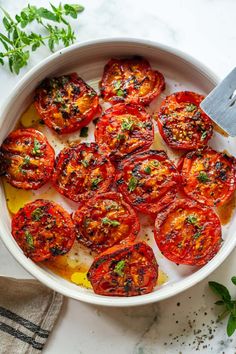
(45, 278)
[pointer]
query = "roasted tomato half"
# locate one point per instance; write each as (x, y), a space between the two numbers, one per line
(26, 159)
(188, 233)
(104, 221)
(131, 80)
(43, 229)
(124, 129)
(124, 270)
(81, 172)
(181, 122)
(66, 103)
(208, 176)
(148, 181)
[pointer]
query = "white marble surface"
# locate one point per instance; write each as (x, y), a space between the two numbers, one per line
(185, 323)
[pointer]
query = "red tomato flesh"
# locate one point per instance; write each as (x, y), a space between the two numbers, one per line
(181, 122)
(124, 270)
(208, 176)
(188, 233)
(131, 80)
(148, 181)
(124, 129)
(43, 229)
(104, 221)
(26, 159)
(66, 103)
(81, 172)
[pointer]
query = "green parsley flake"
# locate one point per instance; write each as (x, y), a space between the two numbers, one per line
(119, 268)
(117, 84)
(95, 182)
(37, 146)
(29, 239)
(107, 221)
(148, 170)
(127, 124)
(84, 163)
(120, 93)
(121, 137)
(133, 182)
(203, 177)
(204, 135)
(37, 214)
(191, 107)
(197, 235)
(191, 219)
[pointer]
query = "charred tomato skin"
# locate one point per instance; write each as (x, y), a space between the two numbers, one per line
(182, 123)
(208, 176)
(188, 233)
(104, 221)
(81, 172)
(148, 181)
(124, 129)
(26, 159)
(124, 270)
(131, 80)
(43, 229)
(66, 103)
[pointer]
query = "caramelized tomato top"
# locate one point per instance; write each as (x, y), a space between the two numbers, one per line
(182, 124)
(124, 270)
(43, 229)
(26, 159)
(124, 129)
(81, 172)
(208, 176)
(188, 233)
(148, 181)
(131, 80)
(104, 221)
(66, 103)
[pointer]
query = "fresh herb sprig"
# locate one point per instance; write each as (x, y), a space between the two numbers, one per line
(17, 42)
(229, 305)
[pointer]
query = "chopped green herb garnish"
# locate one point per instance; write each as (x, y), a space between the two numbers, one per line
(95, 182)
(204, 135)
(29, 239)
(26, 161)
(119, 268)
(197, 235)
(127, 124)
(148, 170)
(229, 304)
(190, 107)
(84, 132)
(107, 221)
(133, 182)
(203, 177)
(85, 163)
(120, 136)
(117, 84)
(37, 146)
(37, 214)
(120, 93)
(112, 206)
(191, 219)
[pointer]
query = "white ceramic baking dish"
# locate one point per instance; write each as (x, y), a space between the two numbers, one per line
(181, 72)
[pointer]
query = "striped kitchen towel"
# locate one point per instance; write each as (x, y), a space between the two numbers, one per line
(28, 312)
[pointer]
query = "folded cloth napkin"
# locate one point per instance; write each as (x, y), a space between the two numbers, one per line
(28, 312)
